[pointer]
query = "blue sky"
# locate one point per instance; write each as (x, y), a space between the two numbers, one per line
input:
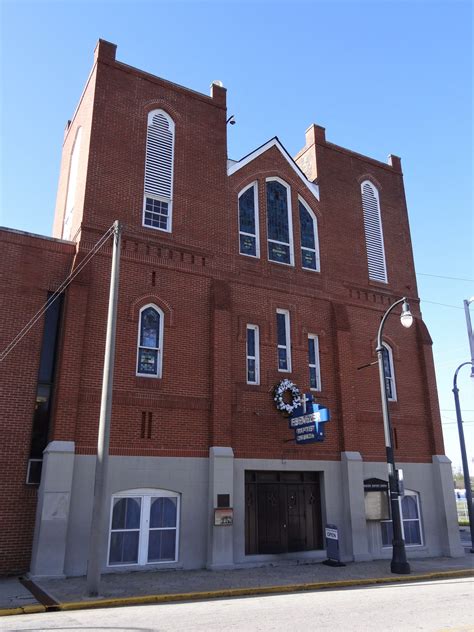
(381, 76)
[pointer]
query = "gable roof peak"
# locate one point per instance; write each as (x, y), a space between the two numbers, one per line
(274, 142)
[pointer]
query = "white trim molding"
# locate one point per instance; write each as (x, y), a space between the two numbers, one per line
(274, 142)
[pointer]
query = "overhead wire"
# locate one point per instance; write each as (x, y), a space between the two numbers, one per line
(438, 276)
(55, 295)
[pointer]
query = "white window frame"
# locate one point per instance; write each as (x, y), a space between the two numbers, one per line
(408, 492)
(256, 357)
(159, 364)
(153, 196)
(378, 228)
(287, 347)
(290, 224)
(145, 495)
(316, 365)
(256, 219)
(316, 238)
(391, 379)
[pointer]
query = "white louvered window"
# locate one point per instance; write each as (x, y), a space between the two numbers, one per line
(373, 233)
(71, 185)
(158, 199)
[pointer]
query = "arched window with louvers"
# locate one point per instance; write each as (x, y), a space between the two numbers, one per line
(158, 198)
(373, 233)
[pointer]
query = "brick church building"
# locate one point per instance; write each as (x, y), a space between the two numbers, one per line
(234, 276)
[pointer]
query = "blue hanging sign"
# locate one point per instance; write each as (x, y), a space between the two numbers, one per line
(308, 421)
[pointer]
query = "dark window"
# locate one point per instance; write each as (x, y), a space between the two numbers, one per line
(44, 389)
(149, 351)
(309, 256)
(278, 223)
(247, 223)
(283, 340)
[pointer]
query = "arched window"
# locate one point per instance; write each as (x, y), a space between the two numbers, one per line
(72, 185)
(279, 225)
(158, 200)
(248, 221)
(373, 232)
(309, 237)
(144, 527)
(150, 342)
(411, 521)
(389, 371)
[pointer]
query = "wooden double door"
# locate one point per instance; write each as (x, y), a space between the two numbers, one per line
(282, 512)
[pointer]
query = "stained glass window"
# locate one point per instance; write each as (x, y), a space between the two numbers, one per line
(149, 342)
(253, 368)
(309, 239)
(313, 363)
(248, 222)
(283, 340)
(278, 223)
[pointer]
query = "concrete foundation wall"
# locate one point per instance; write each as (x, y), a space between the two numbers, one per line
(188, 477)
(199, 480)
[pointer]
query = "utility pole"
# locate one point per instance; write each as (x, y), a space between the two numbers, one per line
(103, 439)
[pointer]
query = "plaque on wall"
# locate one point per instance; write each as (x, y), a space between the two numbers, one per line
(376, 506)
(223, 517)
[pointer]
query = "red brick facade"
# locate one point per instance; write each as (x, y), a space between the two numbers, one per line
(208, 294)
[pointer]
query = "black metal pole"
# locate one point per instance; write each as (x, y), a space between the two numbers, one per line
(399, 562)
(465, 466)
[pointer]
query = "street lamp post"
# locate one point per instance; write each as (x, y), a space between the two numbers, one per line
(465, 467)
(470, 333)
(399, 562)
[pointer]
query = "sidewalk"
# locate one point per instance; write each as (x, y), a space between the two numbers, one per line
(16, 599)
(179, 585)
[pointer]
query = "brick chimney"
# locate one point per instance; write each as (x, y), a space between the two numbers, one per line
(306, 158)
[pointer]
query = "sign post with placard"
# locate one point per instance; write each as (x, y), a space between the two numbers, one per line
(331, 533)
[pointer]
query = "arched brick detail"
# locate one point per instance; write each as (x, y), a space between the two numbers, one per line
(138, 303)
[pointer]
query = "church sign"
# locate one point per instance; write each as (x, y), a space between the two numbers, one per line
(308, 419)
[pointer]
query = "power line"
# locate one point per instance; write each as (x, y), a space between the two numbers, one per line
(438, 276)
(423, 300)
(455, 423)
(55, 295)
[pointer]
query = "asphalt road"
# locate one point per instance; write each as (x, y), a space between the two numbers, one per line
(436, 605)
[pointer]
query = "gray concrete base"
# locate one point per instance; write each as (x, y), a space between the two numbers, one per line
(66, 494)
(220, 550)
(52, 513)
(356, 544)
(450, 540)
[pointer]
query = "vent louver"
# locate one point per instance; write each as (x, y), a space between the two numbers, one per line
(159, 156)
(373, 233)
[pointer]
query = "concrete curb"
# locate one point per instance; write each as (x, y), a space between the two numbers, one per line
(233, 592)
(31, 609)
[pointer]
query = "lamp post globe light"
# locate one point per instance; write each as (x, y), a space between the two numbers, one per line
(465, 467)
(399, 562)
